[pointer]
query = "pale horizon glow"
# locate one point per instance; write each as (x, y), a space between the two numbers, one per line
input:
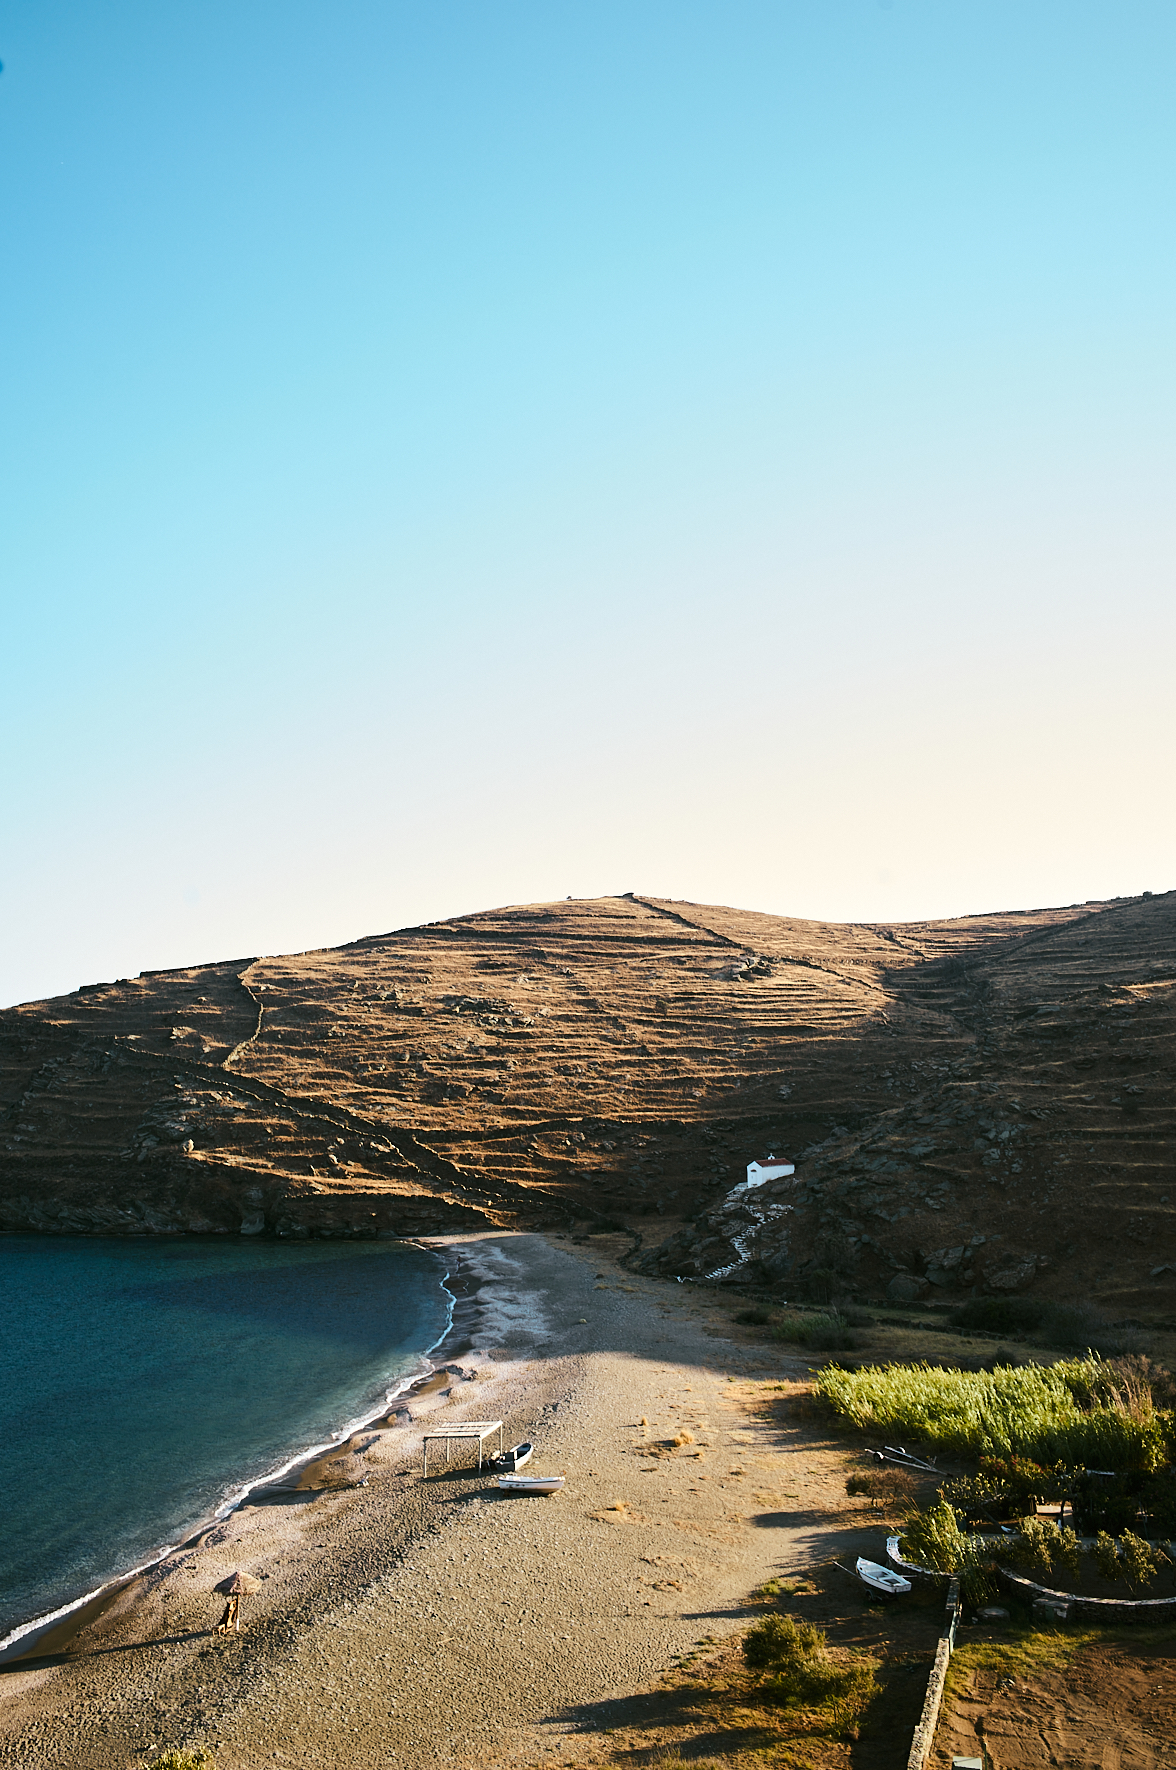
(478, 455)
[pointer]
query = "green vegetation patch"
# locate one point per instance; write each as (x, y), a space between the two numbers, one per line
(1029, 1651)
(822, 1333)
(795, 1669)
(1077, 1411)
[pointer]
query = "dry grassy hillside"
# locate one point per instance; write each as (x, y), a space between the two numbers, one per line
(623, 1058)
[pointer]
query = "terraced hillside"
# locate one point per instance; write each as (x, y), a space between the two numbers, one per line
(1041, 1154)
(622, 1059)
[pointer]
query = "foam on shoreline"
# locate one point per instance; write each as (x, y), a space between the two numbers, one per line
(36, 1627)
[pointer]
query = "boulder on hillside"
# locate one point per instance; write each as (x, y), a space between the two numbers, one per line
(906, 1288)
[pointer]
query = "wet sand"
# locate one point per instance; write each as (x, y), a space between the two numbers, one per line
(409, 1622)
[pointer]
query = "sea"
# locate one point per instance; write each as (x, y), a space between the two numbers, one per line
(145, 1384)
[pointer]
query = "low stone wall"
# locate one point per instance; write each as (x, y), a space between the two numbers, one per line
(1107, 1610)
(924, 1736)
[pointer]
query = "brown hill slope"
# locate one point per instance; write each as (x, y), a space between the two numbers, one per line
(626, 1057)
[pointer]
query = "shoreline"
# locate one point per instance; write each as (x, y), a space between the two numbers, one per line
(528, 1614)
(46, 1623)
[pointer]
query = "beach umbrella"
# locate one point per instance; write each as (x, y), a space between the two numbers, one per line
(237, 1584)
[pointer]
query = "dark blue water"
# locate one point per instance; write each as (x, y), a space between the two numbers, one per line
(144, 1382)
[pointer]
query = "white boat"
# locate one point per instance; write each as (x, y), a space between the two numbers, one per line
(881, 1579)
(531, 1483)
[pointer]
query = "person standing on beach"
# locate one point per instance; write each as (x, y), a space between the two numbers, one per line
(232, 1616)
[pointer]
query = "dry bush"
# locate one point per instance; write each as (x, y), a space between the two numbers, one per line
(885, 1487)
(1137, 1371)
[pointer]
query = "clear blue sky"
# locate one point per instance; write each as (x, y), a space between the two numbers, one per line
(467, 452)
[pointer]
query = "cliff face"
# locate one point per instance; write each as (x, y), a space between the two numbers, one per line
(983, 1101)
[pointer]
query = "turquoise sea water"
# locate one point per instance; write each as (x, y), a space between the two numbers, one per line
(144, 1382)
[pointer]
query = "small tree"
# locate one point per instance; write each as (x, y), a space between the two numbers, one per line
(1068, 1549)
(1137, 1561)
(1106, 1556)
(935, 1539)
(1041, 1544)
(974, 1496)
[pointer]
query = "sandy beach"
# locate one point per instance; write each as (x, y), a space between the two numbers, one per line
(415, 1622)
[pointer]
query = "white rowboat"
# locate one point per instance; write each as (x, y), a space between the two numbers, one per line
(531, 1483)
(881, 1579)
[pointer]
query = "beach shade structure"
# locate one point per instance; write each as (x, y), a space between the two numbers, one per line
(237, 1584)
(479, 1430)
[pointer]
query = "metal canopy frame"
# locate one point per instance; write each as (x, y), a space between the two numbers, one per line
(473, 1429)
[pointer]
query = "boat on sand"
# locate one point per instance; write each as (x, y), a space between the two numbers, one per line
(530, 1483)
(514, 1458)
(881, 1579)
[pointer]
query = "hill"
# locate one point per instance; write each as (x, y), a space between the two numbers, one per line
(983, 1102)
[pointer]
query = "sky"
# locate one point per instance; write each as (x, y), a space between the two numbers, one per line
(475, 452)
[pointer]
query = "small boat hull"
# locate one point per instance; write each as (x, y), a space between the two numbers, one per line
(514, 1458)
(530, 1483)
(882, 1580)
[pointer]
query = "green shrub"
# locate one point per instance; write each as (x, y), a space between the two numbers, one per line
(197, 1760)
(1139, 1562)
(934, 1539)
(823, 1333)
(757, 1317)
(1076, 1411)
(975, 1497)
(1040, 1545)
(1023, 1481)
(1079, 1326)
(779, 1641)
(795, 1669)
(1058, 1324)
(1106, 1556)
(1132, 1558)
